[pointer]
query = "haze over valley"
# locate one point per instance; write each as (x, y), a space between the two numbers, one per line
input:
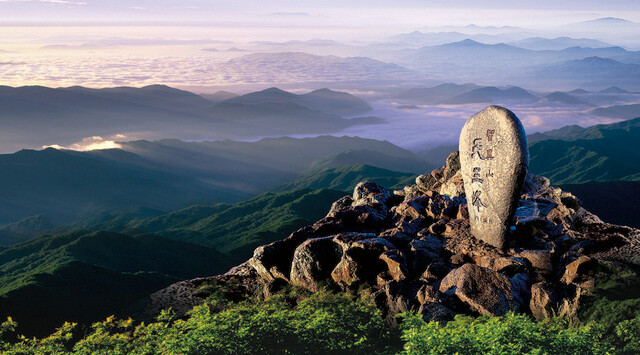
(421, 80)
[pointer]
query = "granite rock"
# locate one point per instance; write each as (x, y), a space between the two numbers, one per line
(494, 159)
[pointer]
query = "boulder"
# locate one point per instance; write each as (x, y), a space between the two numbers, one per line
(271, 262)
(428, 293)
(433, 311)
(342, 204)
(435, 271)
(395, 298)
(540, 261)
(421, 253)
(412, 208)
(353, 218)
(508, 265)
(548, 300)
(313, 262)
(346, 272)
(361, 262)
(396, 265)
(577, 271)
(370, 194)
(483, 290)
(452, 166)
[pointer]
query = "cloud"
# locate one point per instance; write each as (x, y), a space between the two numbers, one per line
(90, 143)
(533, 120)
(290, 14)
(57, 2)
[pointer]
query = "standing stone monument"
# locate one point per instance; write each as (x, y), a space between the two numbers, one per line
(493, 159)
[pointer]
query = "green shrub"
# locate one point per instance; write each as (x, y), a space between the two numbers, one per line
(626, 337)
(322, 323)
(510, 334)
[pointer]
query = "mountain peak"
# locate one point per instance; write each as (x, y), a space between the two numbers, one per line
(419, 239)
(323, 91)
(614, 90)
(609, 20)
(466, 42)
(274, 90)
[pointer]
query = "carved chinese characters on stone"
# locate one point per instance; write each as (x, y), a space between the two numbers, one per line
(494, 158)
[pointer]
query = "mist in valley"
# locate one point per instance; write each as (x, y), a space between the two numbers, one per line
(376, 54)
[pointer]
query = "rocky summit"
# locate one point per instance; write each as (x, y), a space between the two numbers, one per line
(413, 249)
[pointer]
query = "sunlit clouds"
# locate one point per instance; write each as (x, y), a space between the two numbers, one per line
(90, 143)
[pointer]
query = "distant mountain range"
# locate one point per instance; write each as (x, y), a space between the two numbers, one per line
(219, 96)
(616, 24)
(67, 115)
(456, 94)
(492, 94)
(324, 100)
(613, 90)
(435, 95)
(60, 185)
(453, 94)
(602, 72)
(619, 111)
(558, 43)
(299, 67)
(471, 60)
(559, 97)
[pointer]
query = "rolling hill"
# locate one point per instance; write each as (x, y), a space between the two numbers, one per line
(577, 132)
(345, 178)
(68, 115)
(64, 184)
(598, 153)
(564, 99)
(323, 100)
(60, 185)
(84, 276)
(619, 111)
(602, 71)
(491, 94)
(105, 263)
(558, 43)
(435, 95)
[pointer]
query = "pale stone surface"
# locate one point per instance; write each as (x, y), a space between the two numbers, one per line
(494, 159)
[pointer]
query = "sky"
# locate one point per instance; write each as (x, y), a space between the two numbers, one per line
(329, 12)
(66, 42)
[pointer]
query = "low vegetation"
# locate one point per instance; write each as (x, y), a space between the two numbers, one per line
(324, 322)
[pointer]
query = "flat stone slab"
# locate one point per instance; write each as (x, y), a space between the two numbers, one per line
(494, 159)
